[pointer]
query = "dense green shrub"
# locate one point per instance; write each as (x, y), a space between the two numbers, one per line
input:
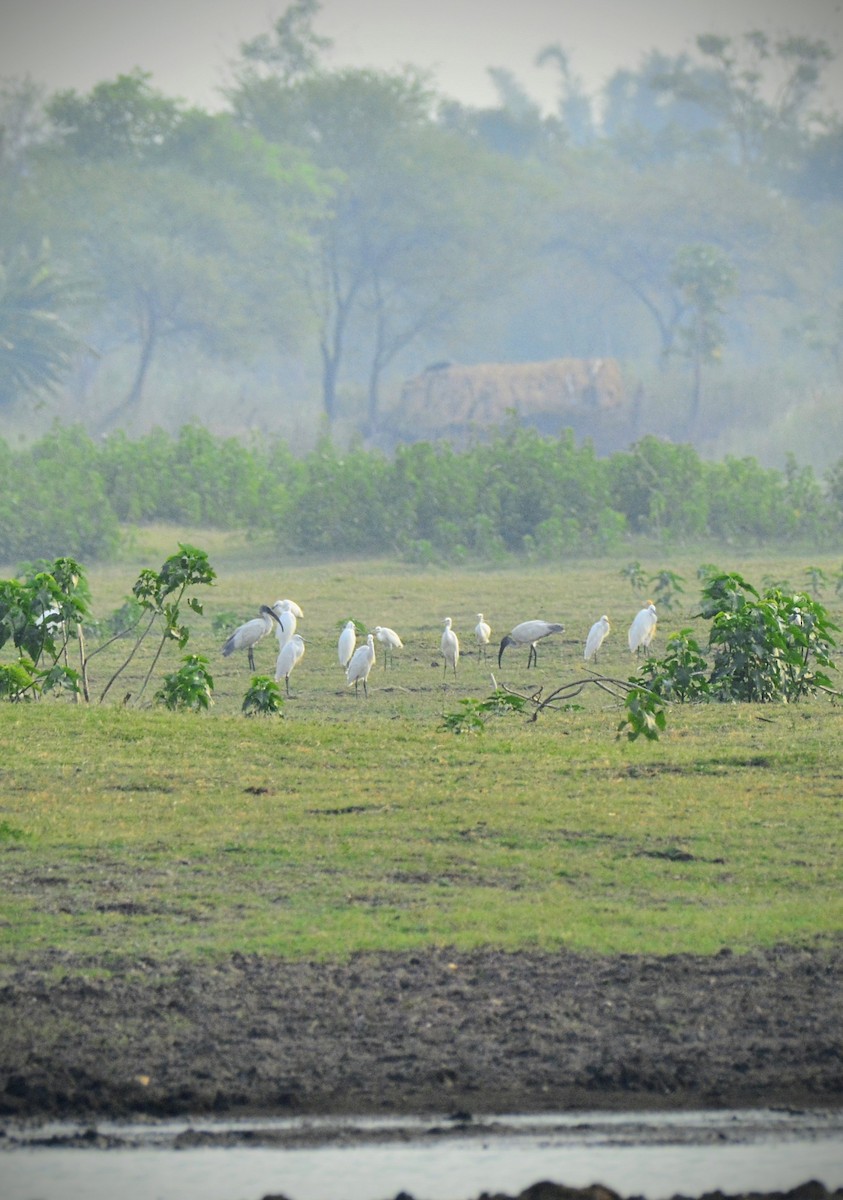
(660, 488)
(519, 493)
(54, 502)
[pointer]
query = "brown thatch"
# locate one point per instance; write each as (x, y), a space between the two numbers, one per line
(454, 397)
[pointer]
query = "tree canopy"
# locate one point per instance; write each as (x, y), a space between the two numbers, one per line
(331, 232)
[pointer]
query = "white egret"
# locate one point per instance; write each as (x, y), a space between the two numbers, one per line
(362, 661)
(482, 633)
(291, 605)
(285, 611)
(245, 637)
(450, 647)
(643, 628)
(390, 641)
(527, 634)
(597, 635)
(347, 642)
(290, 655)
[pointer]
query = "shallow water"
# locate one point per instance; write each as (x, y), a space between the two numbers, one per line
(652, 1155)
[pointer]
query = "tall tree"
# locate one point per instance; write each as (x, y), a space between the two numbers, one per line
(187, 225)
(37, 345)
(406, 244)
(761, 92)
(705, 278)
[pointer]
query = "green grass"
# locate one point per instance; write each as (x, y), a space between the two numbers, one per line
(358, 825)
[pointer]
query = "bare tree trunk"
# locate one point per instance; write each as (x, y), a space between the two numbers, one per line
(148, 329)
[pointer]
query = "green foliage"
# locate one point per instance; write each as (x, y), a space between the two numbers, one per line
(668, 586)
(41, 611)
(17, 681)
(263, 698)
(771, 647)
(160, 594)
(519, 495)
(645, 715)
(635, 575)
(37, 346)
(53, 501)
(817, 580)
(472, 715)
(190, 688)
(682, 674)
(660, 488)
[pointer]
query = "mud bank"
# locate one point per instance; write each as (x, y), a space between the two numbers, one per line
(432, 1032)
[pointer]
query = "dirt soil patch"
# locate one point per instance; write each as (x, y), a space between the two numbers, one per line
(429, 1032)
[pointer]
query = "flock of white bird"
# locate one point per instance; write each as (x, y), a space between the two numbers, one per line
(357, 661)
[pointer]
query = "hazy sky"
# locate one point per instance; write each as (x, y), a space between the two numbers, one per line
(188, 44)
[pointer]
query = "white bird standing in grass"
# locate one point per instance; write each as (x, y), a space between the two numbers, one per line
(390, 641)
(596, 637)
(290, 655)
(345, 645)
(245, 637)
(482, 633)
(362, 661)
(286, 611)
(527, 634)
(450, 647)
(643, 628)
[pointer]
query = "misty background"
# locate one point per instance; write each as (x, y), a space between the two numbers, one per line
(293, 258)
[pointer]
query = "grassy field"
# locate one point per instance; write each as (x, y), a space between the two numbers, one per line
(355, 824)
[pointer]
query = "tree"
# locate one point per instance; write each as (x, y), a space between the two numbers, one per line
(292, 51)
(126, 118)
(406, 245)
(705, 278)
(760, 92)
(37, 346)
(187, 224)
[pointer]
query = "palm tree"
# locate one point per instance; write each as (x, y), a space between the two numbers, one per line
(37, 347)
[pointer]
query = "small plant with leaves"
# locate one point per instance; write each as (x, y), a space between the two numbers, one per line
(17, 681)
(645, 715)
(682, 673)
(817, 580)
(472, 715)
(263, 698)
(160, 593)
(39, 613)
(667, 587)
(634, 575)
(188, 689)
(766, 648)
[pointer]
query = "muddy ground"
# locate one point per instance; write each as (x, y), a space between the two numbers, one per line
(435, 1032)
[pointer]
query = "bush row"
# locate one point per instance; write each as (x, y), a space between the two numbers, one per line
(519, 493)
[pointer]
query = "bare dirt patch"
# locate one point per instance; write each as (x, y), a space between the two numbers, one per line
(431, 1032)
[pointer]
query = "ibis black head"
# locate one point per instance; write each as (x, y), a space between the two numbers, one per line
(272, 613)
(505, 641)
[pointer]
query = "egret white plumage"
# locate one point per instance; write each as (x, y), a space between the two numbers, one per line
(285, 611)
(643, 628)
(291, 604)
(596, 637)
(346, 643)
(245, 637)
(450, 645)
(527, 634)
(289, 656)
(362, 661)
(390, 641)
(482, 633)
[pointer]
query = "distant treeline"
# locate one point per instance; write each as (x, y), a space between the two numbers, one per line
(517, 494)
